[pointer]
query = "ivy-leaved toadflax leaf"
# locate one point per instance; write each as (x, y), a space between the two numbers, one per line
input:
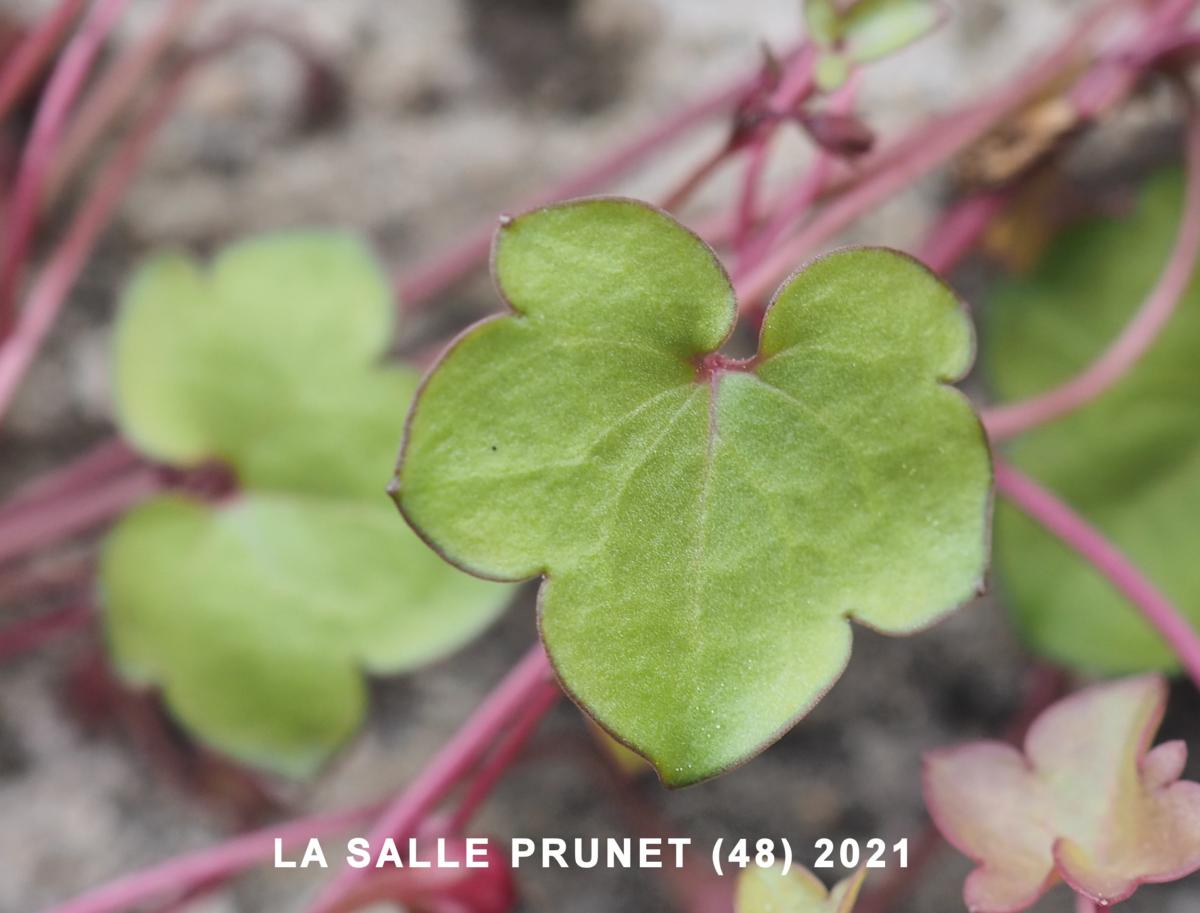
(1088, 801)
(257, 616)
(705, 528)
(1129, 461)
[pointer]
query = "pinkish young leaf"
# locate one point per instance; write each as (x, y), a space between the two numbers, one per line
(1089, 802)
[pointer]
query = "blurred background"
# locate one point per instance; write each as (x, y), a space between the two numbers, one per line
(438, 115)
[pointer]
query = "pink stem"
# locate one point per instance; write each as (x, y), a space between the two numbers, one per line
(36, 582)
(400, 821)
(83, 473)
(799, 201)
(796, 85)
(418, 286)
(503, 757)
(960, 229)
(114, 89)
(24, 64)
(24, 530)
(176, 877)
(910, 158)
(1084, 904)
(182, 873)
(46, 296)
(1139, 334)
(23, 636)
(1116, 76)
(61, 91)
(1042, 506)
(695, 179)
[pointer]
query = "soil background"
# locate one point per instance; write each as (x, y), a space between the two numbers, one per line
(454, 111)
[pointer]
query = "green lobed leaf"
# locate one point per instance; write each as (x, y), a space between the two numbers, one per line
(704, 539)
(872, 29)
(768, 890)
(242, 360)
(1129, 462)
(1087, 801)
(257, 616)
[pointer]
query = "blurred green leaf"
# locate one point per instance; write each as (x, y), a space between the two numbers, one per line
(705, 533)
(875, 28)
(830, 71)
(822, 21)
(257, 615)
(1129, 462)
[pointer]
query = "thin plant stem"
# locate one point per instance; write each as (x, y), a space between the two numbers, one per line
(30, 634)
(73, 573)
(61, 91)
(27, 61)
(911, 157)
(402, 817)
(1074, 531)
(695, 179)
(797, 203)
(113, 91)
(59, 275)
(81, 474)
(1084, 904)
(1142, 331)
(25, 530)
(46, 297)
(795, 86)
(418, 285)
(503, 757)
(959, 230)
(399, 818)
(177, 876)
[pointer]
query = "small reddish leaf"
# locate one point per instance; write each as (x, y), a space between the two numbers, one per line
(1088, 802)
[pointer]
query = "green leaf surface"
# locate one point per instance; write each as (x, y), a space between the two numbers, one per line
(831, 70)
(872, 29)
(822, 21)
(242, 360)
(258, 616)
(704, 534)
(1088, 801)
(768, 890)
(1129, 462)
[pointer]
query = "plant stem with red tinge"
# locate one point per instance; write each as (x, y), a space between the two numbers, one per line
(24, 65)
(1074, 531)
(30, 634)
(61, 91)
(1140, 333)
(402, 818)
(23, 530)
